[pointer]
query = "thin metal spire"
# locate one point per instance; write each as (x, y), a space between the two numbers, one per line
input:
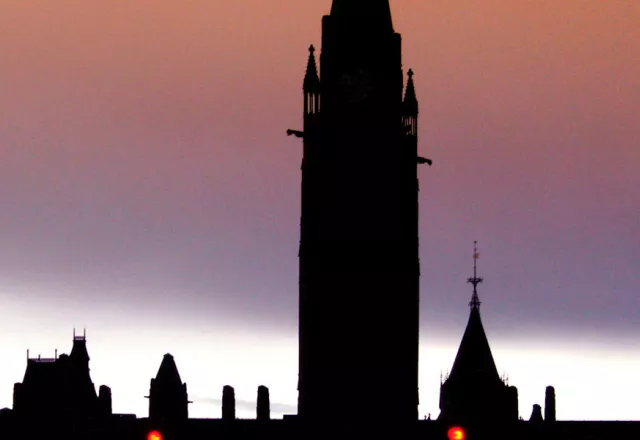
(475, 280)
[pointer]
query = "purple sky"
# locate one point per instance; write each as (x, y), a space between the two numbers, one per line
(147, 184)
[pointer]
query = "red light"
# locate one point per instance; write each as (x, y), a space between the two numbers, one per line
(456, 433)
(154, 435)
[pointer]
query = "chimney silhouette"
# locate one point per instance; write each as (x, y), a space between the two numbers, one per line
(512, 402)
(263, 409)
(536, 414)
(105, 400)
(228, 403)
(17, 396)
(550, 405)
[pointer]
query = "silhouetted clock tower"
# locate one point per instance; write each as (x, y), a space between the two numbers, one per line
(359, 265)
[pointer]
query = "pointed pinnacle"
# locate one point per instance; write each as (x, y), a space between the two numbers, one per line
(410, 101)
(311, 78)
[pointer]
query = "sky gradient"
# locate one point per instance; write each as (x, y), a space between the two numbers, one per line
(149, 192)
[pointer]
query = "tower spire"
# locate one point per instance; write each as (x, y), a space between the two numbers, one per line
(475, 280)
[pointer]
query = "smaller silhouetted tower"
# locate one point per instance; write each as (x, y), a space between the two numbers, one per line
(550, 405)
(474, 392)
(168, 399)
(105, 400)
(228, 403)
(81, 390)
(263, 409)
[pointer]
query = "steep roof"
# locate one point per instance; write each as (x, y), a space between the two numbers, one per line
(79, 350)
(40, 373)
(474, 358)
(168, 372)
(363, 14)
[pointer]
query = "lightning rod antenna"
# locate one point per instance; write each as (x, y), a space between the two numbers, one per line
(475, 280)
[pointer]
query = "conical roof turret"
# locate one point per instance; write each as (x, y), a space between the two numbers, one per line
(474, 356)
